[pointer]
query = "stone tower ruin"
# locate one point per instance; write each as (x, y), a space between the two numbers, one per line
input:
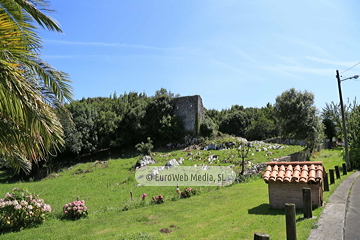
(191, 110)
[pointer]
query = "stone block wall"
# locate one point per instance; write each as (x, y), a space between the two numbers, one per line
(284, 192)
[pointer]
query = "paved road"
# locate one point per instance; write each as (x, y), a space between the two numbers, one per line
(352, 221)
(332, 224)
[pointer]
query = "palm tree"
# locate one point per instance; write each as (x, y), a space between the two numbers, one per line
(31, 91)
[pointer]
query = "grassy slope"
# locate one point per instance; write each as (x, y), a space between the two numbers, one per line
(231, 212)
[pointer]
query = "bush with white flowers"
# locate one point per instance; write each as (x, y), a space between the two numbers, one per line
(20, 209)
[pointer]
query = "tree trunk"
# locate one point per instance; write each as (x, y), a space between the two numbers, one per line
(242, 166)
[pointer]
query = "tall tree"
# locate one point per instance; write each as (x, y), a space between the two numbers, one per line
(298, 117)
(31, 90)
(354, 135)
(331, 118)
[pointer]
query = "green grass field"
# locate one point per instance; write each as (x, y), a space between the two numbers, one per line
(234, 212)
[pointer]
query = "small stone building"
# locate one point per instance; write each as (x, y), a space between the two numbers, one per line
(286, 179)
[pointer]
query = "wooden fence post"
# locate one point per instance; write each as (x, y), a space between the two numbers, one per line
(326, 182)
(332, 179)
(290, 217)
(337, 171)
(344, 169)
(307, 204)
(261, 236)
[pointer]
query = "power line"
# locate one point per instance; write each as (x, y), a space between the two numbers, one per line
(350, 68)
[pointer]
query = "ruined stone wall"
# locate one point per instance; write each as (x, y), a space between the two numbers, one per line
(191, 110)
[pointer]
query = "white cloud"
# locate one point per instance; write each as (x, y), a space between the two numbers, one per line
(337, 63)
(317, 49)
(288, 59)
(317, 71)
(59, 56)
(103, 44)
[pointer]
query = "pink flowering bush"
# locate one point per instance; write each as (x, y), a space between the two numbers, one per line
(188, 192)
(158, 199)
(20, 209)
(75, 210)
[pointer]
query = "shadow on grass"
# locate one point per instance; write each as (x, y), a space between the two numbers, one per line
(265, 209)
(6, 177)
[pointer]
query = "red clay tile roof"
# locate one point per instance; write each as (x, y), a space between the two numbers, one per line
(306, 172)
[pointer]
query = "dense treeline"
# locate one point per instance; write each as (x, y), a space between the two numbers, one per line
(120, 122)
(125, 120)
(332, 120)
(250, 123)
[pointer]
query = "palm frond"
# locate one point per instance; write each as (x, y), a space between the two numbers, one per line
(42, 19)
(31, 90)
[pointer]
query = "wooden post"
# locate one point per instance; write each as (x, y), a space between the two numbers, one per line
(337, 171)
(326, 182)
(290, 217)
(261, 236)
(131, 196)
(307, 204)
(332, 179)
(344, 169)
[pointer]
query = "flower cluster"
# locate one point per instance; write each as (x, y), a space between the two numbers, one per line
(188, 192)
(20, 209)
(158, 199)
(143, 196)
(75, 210)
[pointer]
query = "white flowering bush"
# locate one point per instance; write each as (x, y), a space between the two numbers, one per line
(20, 209)
(75, 210)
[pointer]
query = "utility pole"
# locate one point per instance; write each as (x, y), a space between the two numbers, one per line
(344, 122)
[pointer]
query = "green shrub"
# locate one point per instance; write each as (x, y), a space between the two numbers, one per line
(207, 128)
(21, 209)
(145, 148)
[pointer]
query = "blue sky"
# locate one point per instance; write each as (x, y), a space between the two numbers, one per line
(244, 52)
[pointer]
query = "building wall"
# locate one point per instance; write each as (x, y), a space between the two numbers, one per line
(284, 192)
(191, 111)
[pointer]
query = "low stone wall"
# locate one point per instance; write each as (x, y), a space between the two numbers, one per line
(301, 156)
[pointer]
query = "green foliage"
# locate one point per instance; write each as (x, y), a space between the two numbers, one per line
(234, 123)
(260, 129)
(298, 117)
(75, 210)
(354, 136)
(145, 148)
(82, 137)
(332, 120)
(329, 128)
(250, 123)
(121, 121)
(159, 122)
(207, 128)
(21, 209)
(31, 90)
